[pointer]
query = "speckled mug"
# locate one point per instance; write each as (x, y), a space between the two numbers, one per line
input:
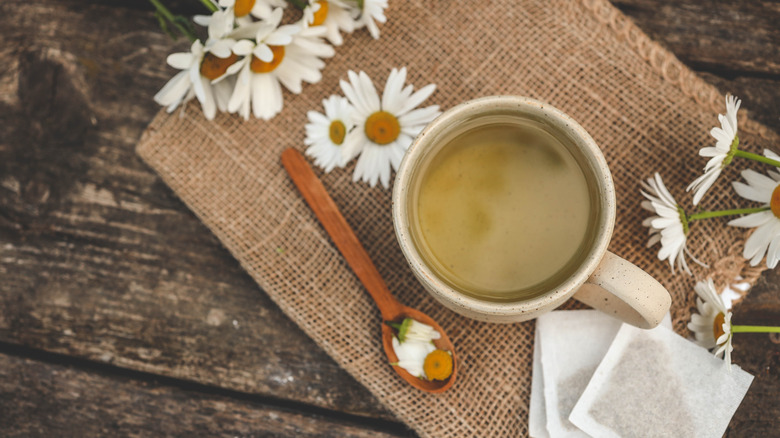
(603, 280)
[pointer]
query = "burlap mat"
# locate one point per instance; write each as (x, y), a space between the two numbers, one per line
(646, 110)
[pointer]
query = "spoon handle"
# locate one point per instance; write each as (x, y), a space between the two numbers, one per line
(340, 232)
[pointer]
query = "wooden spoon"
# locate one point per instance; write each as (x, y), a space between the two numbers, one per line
(339, 230)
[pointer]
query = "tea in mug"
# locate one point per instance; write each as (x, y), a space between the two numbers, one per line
(503, 211)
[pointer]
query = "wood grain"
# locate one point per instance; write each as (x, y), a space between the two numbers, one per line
(40, 399)
(98, 258)
(100, 261)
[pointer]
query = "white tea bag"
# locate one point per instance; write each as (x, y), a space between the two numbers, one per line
(655, 383)
(573, 342)
(537, 417)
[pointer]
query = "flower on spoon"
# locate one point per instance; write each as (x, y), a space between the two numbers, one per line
(766, 190)
(325, 133)
(385, 128)
(416, 352)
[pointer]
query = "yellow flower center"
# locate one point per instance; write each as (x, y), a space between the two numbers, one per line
(337, 132)
(774, 203)
(438, 365)
(213, 66)
(321, 14)
(717, 325)
(382, 127)
(242, 8)
(259, 66)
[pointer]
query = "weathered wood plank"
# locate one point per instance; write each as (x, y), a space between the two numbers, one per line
(98, 258)
(736, 45)
(739, 37)
(41, 399)
(759, 354)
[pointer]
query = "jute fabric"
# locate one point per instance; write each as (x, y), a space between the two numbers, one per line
(645, 109)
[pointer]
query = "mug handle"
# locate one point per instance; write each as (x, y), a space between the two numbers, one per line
(619, 288)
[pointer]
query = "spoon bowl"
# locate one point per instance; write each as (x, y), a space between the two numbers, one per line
(356, 256)
(443, 343)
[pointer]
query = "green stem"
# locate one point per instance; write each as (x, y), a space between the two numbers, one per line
(162, 10)
(754, 329)
(298, 4)
(210, 6)
(756, 157)
(710, 214)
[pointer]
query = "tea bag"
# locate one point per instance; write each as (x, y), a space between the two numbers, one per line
(572, 344)
(537, 417)
(655, 383)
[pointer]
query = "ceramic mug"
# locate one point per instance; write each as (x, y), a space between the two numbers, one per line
(600, 278)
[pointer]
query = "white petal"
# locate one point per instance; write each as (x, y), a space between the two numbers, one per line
(752, 220)
(263, 53)
(173, 91)
(418, 98)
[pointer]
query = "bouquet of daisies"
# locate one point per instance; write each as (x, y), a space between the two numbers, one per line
(249, 55)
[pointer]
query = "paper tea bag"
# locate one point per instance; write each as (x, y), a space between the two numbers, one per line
(572, 344)
(657, 384)
(537, 417)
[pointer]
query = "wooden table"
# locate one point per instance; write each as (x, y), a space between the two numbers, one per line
(121, 314)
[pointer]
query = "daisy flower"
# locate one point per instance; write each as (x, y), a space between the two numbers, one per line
(373, 11)
(333, 15)
(416, 352)
(385, 128)
(242, 9)
(723, 152)
(766, 239)
(279, 55)
(412, 354)
(198, 68)
(219, 23)
(413, 330)
(670, 224)
(325, 133)
(712, 325)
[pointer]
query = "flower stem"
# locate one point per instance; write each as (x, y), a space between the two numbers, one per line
(754, 329)
(166, 14)
(756, 157)
(298, 4)
(209, 5)
(711, 214)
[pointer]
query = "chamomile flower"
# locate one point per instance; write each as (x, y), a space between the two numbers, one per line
(333, 15)
(278, 55)
(384, 128)
(712, 325)
(766, 239)
(721, 155)
(417, 353)
(670, 224)
(325, 133)
(373, 11)
(198, 68)
(220, 23)
(412, 354)
(242, 9)
(421, 332)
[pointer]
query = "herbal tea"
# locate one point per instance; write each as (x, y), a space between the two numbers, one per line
(503, 211)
